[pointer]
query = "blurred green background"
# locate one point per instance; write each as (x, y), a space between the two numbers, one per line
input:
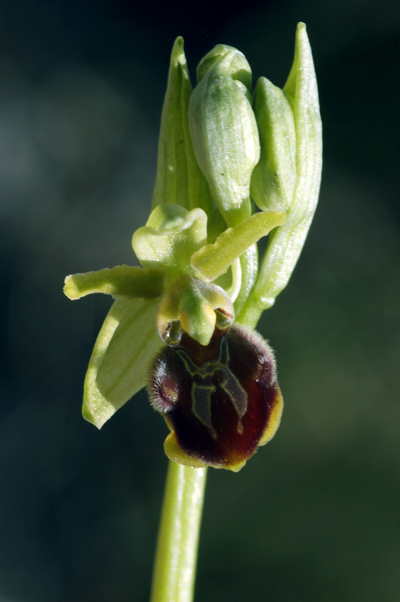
(314, 516)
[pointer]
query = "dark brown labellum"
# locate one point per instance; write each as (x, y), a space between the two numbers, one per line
(221, 401)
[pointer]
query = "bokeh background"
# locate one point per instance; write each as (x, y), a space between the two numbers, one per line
(314, 516)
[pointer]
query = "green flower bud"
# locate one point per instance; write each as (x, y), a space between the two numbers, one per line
(274, 177)
(224, 130)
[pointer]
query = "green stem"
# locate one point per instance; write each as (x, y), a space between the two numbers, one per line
(175, 562)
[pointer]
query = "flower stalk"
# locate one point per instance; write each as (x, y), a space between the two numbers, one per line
(176, 555)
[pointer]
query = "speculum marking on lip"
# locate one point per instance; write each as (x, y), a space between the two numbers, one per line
(201, 405)
(205, 381)
(217, 399)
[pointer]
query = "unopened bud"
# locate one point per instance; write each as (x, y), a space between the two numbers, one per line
(224, 130)
(274, 177)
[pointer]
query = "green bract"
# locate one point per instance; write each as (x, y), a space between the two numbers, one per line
(286, 242)
(219, 150)
(179, 179)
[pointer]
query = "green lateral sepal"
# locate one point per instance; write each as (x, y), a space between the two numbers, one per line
(119, 364)
(212, 261)
(120, 281)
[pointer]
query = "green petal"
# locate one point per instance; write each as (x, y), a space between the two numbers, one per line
(118, 368)
(179, 179)
(213, 260)
(121, 281)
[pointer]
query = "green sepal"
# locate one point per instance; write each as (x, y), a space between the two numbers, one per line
(286, 242)
(274, 177)
(172, 234)
(179, 179)
(211, 261)
(119, 364)
(120, 281)
(224, 130)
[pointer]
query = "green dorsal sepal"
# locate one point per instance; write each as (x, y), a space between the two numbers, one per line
(212, 261)
(120, 281)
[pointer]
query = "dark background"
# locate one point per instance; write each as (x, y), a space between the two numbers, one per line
(314, 516)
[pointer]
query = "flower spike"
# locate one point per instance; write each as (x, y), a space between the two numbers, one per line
(182, 323)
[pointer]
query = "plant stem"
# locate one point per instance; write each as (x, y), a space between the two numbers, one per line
(175, 562)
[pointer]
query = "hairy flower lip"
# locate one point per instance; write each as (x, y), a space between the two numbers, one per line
(197, 390)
